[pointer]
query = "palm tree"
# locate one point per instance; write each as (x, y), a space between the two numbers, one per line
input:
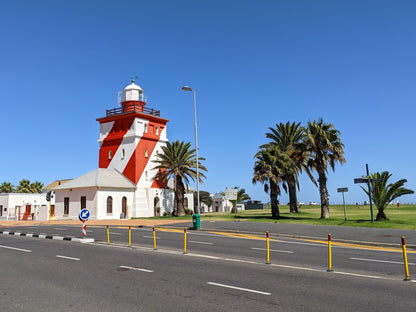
(383, 193)
(324, 146)
(24, 186)
(287, 138)
(178, 161)
(36, 187)
(267, 170)
(6, 187)
(241, 196)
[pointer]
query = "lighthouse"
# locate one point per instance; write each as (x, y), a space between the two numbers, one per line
(131, 135)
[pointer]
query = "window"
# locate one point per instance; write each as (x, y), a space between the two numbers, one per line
(157, 130)
(146, 153)
(66, 205)
(145, 128)
(83, 202)
(109, 205)
(1, 210)
(123, 153)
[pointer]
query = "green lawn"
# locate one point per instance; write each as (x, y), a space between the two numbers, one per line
(357, 215)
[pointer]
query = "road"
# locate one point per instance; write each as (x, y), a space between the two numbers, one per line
(218, 273)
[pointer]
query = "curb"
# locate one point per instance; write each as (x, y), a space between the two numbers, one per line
(72, 239)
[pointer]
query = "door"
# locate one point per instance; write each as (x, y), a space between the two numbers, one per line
(124, 206)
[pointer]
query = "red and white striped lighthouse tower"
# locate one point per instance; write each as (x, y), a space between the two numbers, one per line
(130, 137)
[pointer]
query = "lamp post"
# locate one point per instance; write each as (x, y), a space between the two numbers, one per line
(186, 88)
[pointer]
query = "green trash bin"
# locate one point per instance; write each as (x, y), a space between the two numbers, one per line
(196, 220)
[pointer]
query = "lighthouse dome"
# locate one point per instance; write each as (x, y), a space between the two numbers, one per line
(133, 92)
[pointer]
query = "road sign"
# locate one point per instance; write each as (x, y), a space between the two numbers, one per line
(360, 180)
(231, 194)
(342, 189)
(84, 214)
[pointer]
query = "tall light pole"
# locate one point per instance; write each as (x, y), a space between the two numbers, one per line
(186, 88)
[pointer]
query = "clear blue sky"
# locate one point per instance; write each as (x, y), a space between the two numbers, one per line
(252, 63)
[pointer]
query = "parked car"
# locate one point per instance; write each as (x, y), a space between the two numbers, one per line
(313, 203)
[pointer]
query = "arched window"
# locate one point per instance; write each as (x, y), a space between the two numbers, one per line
(124, 206)
(146, 153)
(110, 155)
(123, 153)
(109, 205)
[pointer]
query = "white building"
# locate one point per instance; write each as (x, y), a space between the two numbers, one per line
(24, 206)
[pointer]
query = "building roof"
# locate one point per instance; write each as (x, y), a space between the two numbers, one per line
(55, 184)
(101, 177)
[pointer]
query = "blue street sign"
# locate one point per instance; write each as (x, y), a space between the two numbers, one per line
(84, 214)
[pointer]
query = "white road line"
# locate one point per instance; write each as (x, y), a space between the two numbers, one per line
(135, 269)
(69, 258)
(151, 237)
(383, 261)
(114, 233)
(13, 248)
(239, 288)
(204, 243)
(275, 250)
(61, 229)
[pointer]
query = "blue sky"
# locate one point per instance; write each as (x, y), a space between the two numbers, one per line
(252, 63)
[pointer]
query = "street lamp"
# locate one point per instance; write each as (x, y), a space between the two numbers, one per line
(186, 88)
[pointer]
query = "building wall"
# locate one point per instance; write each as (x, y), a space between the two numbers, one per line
(74, 196)
(39, 207)
(117, 196)
(96, 203)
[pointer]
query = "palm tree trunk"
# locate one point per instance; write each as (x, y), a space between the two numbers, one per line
(293, 201)
(179, 197)
(324, 195)
(273, 200)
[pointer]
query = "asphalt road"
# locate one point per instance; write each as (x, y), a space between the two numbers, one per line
(47, 275)
(307, 253)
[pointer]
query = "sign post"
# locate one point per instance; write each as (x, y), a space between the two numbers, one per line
(368, 180)
(83, 216)
(343, 190)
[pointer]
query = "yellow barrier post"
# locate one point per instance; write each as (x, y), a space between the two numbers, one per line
(129, 235)
(184, 240)
(108, 234)
(329, 254)
(268, 247)
(154, 238)
(406, 266)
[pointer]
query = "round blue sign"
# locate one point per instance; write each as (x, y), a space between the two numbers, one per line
(84, 214)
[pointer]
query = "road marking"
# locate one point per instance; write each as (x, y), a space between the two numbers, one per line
(383, 261)
(204, 243)
(69, 258)
(275, 250)
(135, 269)
(151, 237)
(114, 233)
(61, 229)
(180, 253)
(13, 248)
(239, 288)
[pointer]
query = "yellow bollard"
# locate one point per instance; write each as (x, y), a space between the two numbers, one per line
(129, 235)
(329, 254)
(184, 240)
(108, 234)
(154, 238)
(406, 266)
(268, 247)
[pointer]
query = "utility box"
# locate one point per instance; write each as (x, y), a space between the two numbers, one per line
(196, 221)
